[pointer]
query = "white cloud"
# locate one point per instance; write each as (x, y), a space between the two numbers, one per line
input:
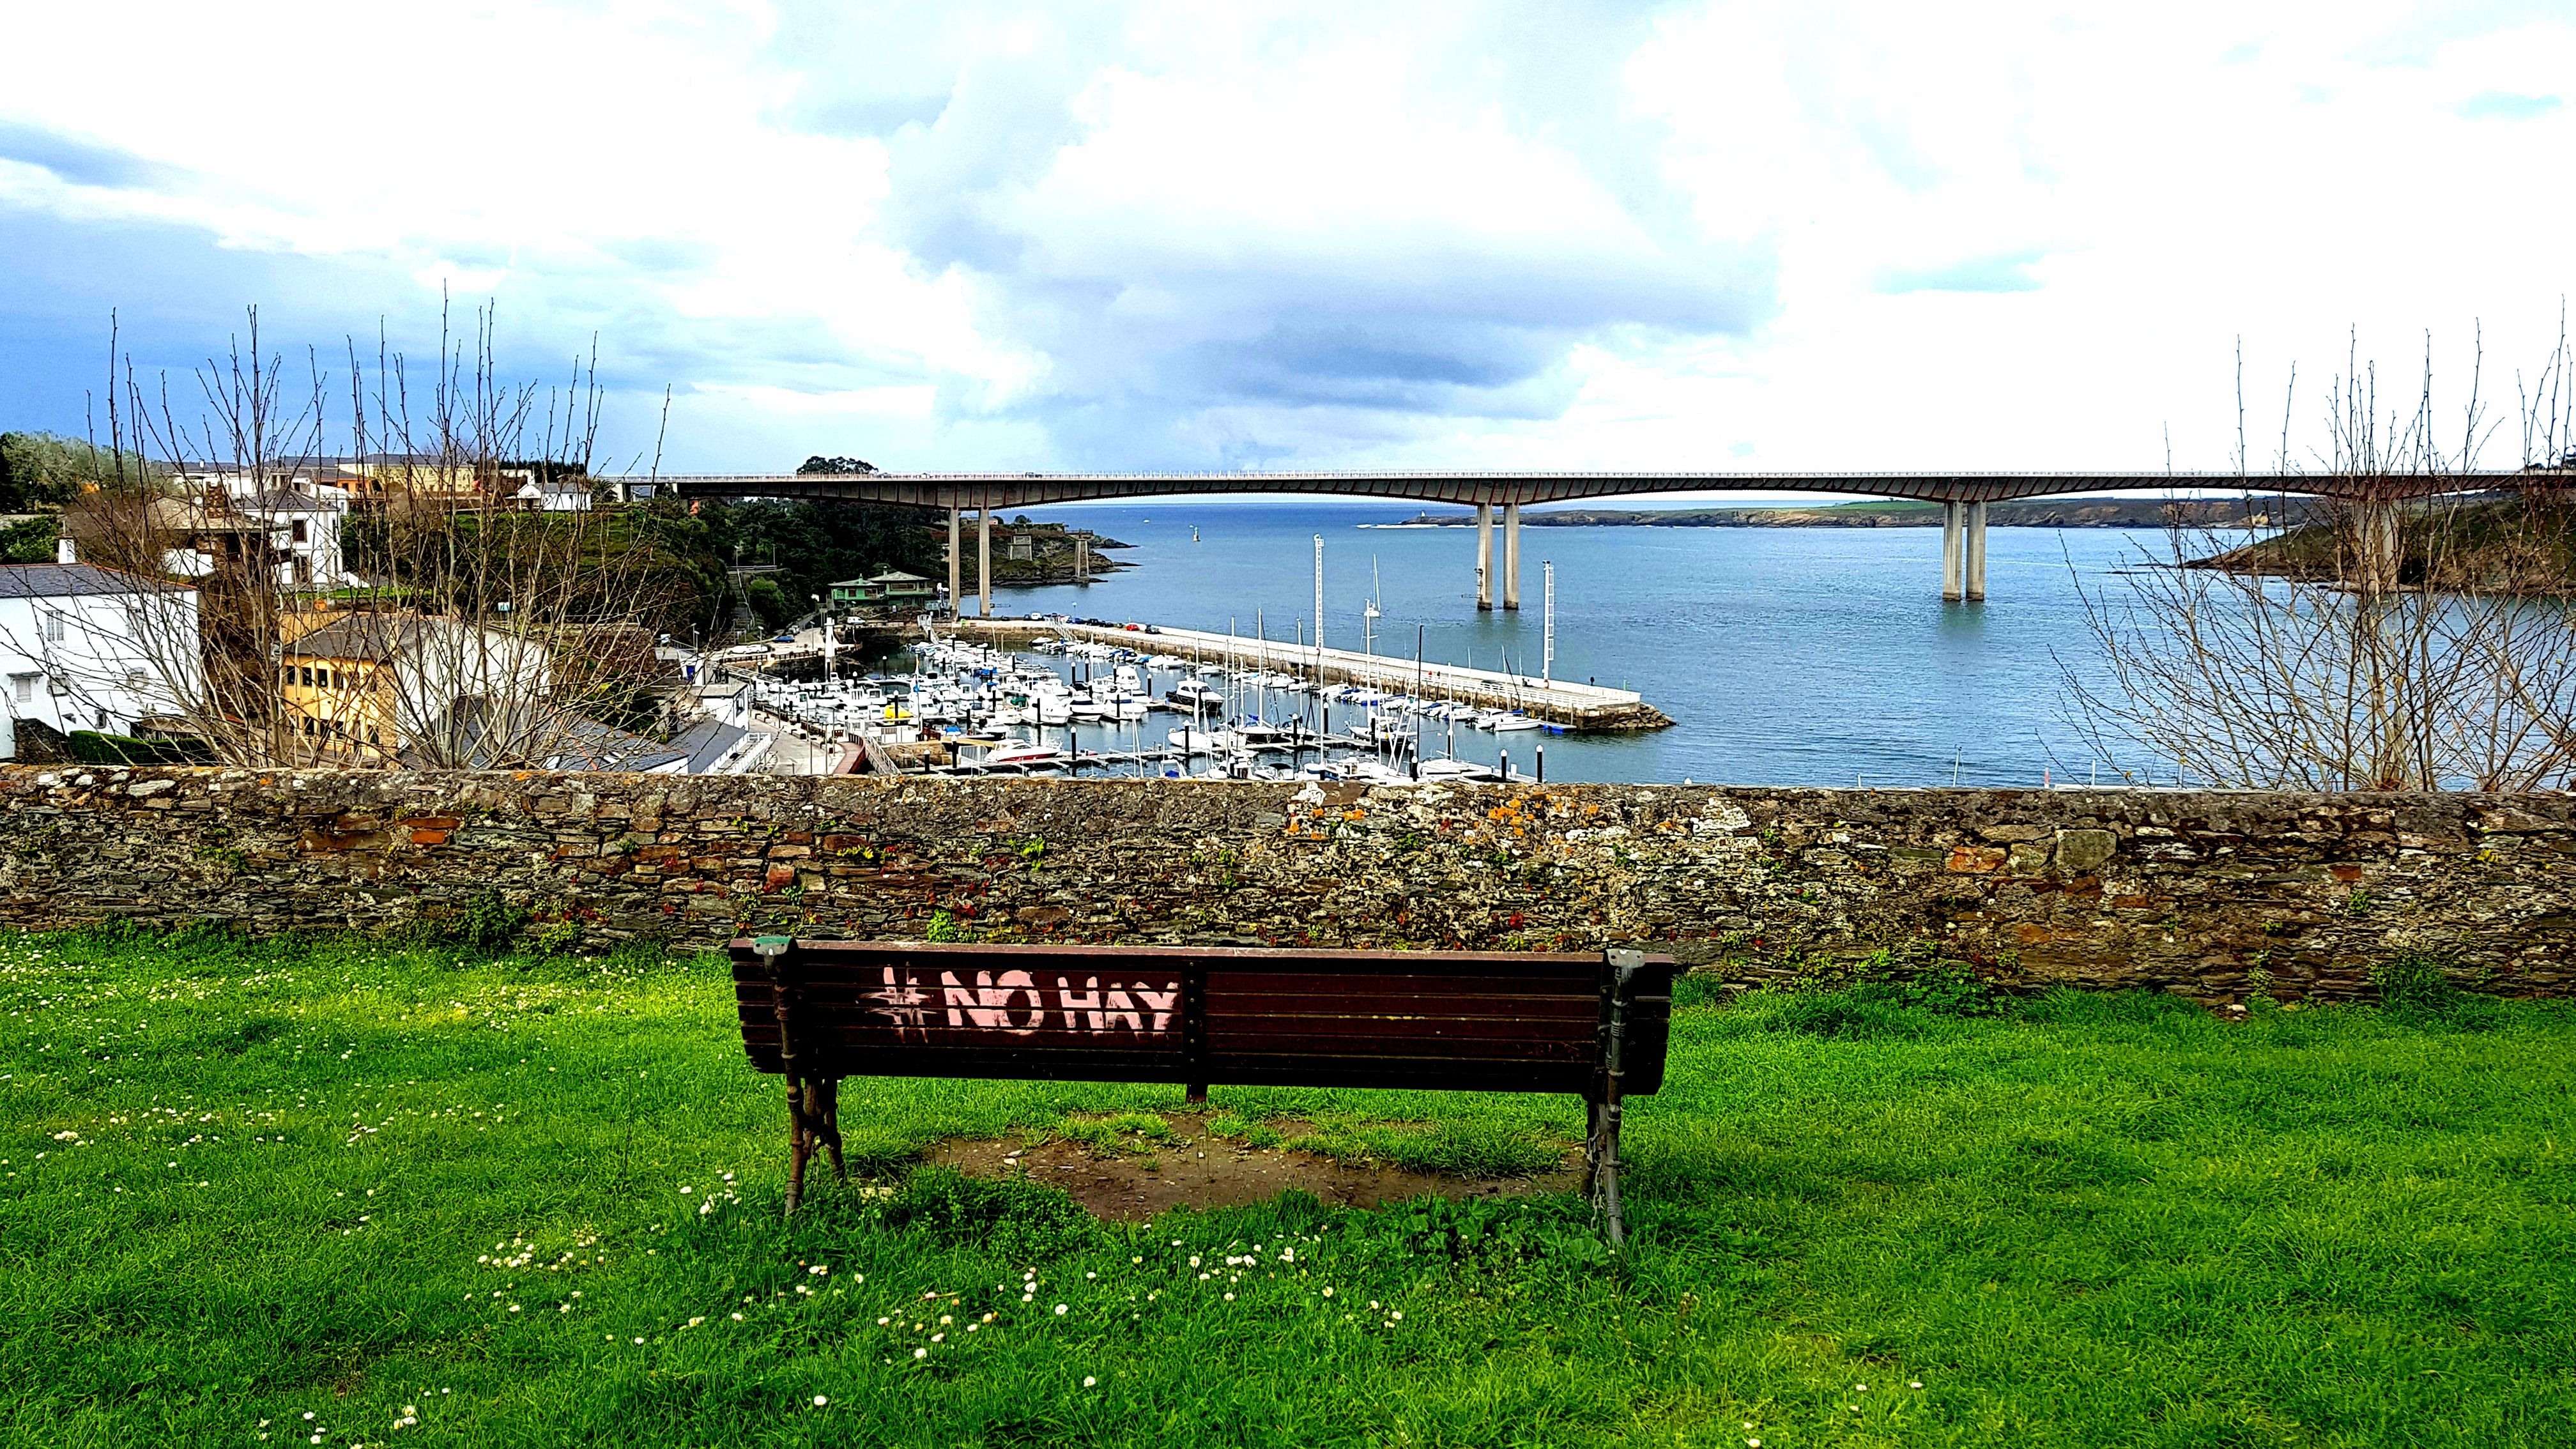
(1712, 235)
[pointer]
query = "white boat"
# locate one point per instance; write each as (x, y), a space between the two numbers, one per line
(1193, 696)
(1054, 709)
(1203, 742)
(1507, 723)
(1020, 753)
(1445, 769)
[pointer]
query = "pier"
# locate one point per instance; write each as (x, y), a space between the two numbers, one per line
(1587, 707)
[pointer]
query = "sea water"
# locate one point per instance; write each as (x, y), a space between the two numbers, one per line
(1790, 656)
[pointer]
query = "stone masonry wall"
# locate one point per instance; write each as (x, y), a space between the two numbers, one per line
(2188, 892)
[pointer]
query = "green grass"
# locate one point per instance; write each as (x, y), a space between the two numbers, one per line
(523, 1201)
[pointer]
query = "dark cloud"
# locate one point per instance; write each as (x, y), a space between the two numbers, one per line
(1230, 344)
(81, 162)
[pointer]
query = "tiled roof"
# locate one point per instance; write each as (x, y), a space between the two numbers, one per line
(56, 581)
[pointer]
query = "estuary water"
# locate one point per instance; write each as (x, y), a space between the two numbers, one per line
(1788, 656)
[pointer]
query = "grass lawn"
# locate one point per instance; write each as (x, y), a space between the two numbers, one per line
(348, 1193)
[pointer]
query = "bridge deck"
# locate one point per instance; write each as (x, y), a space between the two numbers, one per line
(1028, 490)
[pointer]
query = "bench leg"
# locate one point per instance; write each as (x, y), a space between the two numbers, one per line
(800, 1143)
(1194, 1095)
(1601, 1164)
(824, 1110)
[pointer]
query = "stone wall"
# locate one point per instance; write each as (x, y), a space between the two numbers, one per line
(2207, 894)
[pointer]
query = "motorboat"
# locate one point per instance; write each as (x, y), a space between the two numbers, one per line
(1190, 696)
(1019, 753)
(1507, 723)
(1203, 742)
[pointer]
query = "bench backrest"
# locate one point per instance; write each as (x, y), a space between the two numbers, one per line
(1455, 1020)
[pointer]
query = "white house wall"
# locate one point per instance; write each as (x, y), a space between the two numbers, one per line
(102, 674)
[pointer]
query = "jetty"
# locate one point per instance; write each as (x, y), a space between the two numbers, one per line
(1576, 707)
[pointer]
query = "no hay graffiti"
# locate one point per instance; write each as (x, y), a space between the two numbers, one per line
(1016, 1004)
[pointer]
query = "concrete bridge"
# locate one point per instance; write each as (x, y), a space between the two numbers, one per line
(1963, 498)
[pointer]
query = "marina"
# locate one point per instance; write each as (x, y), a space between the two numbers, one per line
(1578, 707)
(1140, 705)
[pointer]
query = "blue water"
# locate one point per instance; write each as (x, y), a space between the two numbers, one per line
(1791, 656)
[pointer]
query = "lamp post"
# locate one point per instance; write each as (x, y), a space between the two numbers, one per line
(1547, 625)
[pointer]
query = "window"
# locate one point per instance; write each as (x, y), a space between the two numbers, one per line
(307, 671)
(322, 677)
(22, 688)
(299, 532)
(306, 722)
(102, 721)
(286, 675)
(53, 627)
(134, 681)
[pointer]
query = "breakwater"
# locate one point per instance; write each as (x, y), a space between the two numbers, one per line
(1582, 707)
(2211, 895)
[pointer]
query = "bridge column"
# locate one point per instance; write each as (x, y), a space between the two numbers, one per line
(1511, 556)
(983, 563)
(1976, 560)
(956, 566)
(1082, 557)
(1953, 553)
(1484, 558)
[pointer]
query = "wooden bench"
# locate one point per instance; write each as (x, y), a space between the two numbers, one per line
(1459, 1021)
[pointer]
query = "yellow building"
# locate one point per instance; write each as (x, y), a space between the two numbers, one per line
(368, 686)
(338, 690)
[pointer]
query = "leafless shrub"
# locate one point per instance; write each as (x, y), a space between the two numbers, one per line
(452, 592)
(2411, 636)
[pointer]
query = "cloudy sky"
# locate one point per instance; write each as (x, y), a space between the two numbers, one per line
(1447, 235)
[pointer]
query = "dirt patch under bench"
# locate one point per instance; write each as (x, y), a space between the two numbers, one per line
(1193, 1169)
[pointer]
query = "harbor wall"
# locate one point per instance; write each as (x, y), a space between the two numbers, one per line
(2211, 895)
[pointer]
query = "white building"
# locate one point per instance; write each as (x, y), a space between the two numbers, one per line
(302, 514)
(87, 648)
(554, 495)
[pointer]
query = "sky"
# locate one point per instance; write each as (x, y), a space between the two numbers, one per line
(1442, 235)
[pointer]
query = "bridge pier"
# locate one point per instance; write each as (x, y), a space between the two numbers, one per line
(1484, 558)
(1512, 556)
(956, 573)
(983, 563)
(1954, 562)
(1976, 559)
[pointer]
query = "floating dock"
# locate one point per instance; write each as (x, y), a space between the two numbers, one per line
(1587, 707)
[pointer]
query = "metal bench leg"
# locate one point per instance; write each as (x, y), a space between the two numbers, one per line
(1601, 1164)
(800, 1143)
(1609, 1173)
(826, 1114)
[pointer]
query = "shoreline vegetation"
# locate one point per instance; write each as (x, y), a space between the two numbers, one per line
(2496, 545)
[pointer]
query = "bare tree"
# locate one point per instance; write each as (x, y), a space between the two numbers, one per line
(2405, 636)
(453, 591)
